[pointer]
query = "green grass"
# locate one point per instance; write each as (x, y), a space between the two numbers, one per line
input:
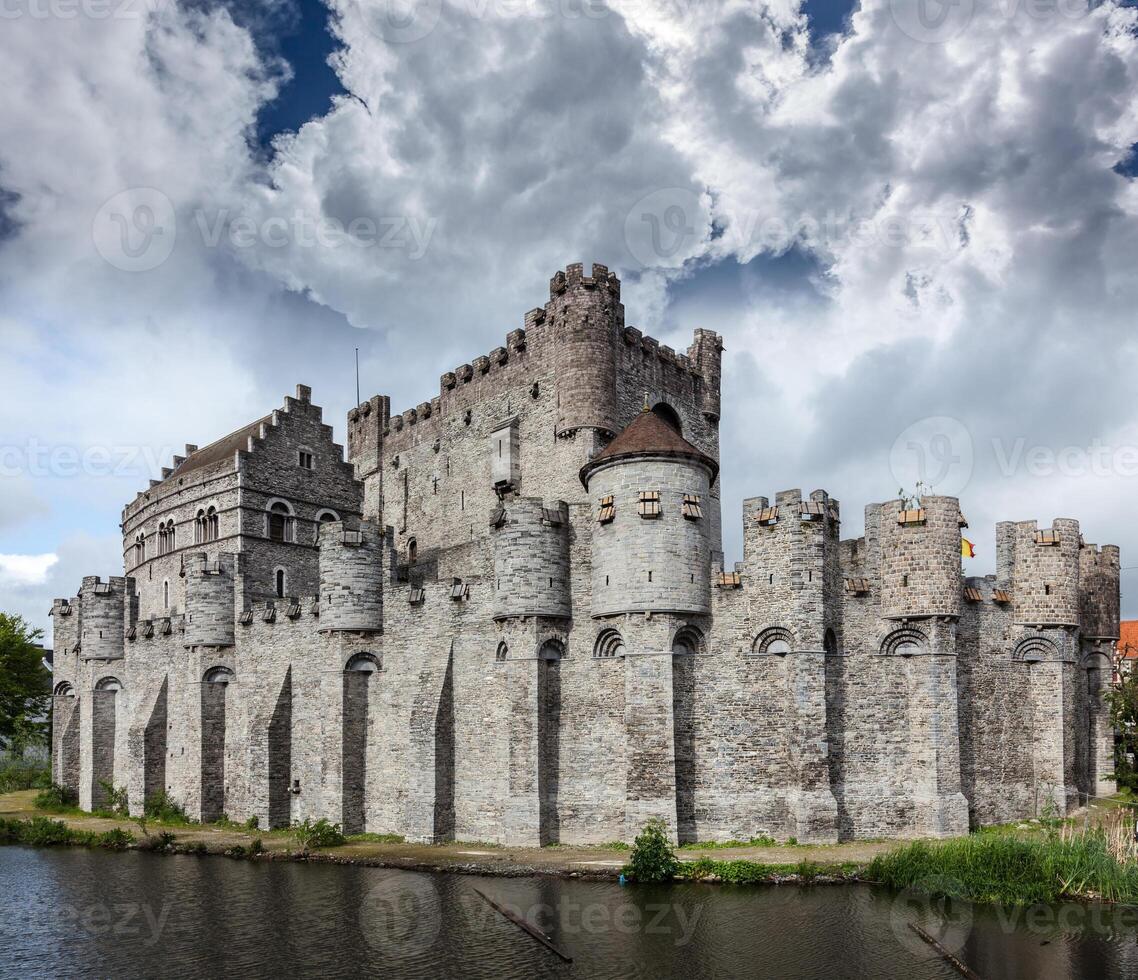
(744, 872)
(376, 839)
(44, 832)
(1012, 870)
(762, 840)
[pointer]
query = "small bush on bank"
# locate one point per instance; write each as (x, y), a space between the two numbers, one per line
(56, 799)
(161, 806)
(318, 834)
(116, 839)
(117, 802)
(652, 858)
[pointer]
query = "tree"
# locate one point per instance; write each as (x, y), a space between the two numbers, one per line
(25, 684)
(1123, 700)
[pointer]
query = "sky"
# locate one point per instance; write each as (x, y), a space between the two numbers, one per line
(914, 223)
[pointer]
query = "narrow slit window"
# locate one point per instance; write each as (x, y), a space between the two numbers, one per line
(649, 503)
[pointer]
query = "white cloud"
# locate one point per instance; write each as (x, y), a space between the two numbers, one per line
(21, 570)
(974, 247)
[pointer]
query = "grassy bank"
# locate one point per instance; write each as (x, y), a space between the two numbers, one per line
(1098, 863)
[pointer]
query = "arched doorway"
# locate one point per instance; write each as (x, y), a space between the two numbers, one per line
(549, 739)
(215, 686)
(361, 674)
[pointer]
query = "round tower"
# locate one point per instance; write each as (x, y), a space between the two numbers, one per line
(102, 606)
(1045, 573)
(531, 559)
(209, 600)
(920, 558)
(351, 590)
(652, 534)
(586, 318)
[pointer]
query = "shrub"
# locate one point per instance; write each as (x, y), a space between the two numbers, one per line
(117, 803)
(318, 834)
(42, 832)
(56, 799)
(257, 847)
(652, 858)
(16, 776)
(161, 806)
(116, 839)
(193, 847)
(252, 823)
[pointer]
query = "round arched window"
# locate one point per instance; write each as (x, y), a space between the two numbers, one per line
(907, 648)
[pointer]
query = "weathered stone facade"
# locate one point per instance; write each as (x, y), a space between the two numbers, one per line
(507, 619)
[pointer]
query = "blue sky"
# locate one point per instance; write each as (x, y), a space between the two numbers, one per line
(908, 235)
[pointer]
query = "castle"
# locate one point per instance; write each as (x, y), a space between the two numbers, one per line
(506, 618)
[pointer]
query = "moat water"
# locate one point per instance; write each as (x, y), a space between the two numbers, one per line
(80, 913)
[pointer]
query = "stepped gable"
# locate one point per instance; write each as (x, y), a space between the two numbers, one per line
(222, 449)
(648, 435)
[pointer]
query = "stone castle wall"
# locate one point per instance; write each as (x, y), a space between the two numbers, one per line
(466, 648)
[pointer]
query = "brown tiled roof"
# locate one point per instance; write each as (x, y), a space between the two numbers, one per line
(221, 450)
(1128, 638)
(648, 435)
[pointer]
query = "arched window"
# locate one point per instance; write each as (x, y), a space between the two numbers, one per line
(212, 524)
(830, 643)
(139, 548)
(164, 537)
(199, 527)
(327, 516)
(280, 582)
(905, 642)
(776, 642)
(112, 684)
(688, 641)
(64, 690)
(666, 413)
(362, 663)
(412, 551)
(1035, 649)
(551, 650)
(609, 644)
(166, 593)
(502, 652)
(280, 522)
(218, 675)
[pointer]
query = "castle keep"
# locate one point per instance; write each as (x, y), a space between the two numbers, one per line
(506, 618)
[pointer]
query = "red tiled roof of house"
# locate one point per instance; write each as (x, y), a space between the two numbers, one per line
(1128, 639)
